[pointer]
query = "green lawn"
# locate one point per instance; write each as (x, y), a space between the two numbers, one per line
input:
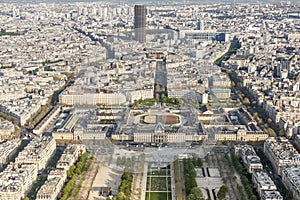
(158, 196)
(158, 184)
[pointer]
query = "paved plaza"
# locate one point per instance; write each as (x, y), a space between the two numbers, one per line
(209, 181)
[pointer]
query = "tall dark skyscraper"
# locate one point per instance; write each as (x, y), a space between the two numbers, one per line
(140, 23)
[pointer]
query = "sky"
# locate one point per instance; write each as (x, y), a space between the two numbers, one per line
(131, 1)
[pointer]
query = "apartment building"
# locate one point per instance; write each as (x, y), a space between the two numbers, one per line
(281, 153)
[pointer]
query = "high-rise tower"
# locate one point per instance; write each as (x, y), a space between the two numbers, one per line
(140, 23)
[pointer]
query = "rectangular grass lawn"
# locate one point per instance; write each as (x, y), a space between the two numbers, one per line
(158, 196)
(158, 184)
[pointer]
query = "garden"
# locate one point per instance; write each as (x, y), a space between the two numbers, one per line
(158, 183)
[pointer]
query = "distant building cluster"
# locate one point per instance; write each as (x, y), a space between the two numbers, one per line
(22, 95)
(114, 83)
(263, 183)
(267, 64)
(45, 38)
(121, 82)
(205, 35)
(6, 129)
(36, 49)
(42, 43)
(189, 81)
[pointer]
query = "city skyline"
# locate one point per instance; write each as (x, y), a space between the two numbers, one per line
(142, 2)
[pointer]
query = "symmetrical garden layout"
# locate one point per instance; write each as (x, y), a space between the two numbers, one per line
(158, 182)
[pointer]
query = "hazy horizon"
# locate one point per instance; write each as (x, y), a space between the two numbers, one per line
(146, 2)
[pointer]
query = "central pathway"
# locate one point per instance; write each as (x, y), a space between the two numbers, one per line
(172, 181)
(144, 181)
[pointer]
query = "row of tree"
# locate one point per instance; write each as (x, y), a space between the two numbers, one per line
(128, 163)
(9, 118)
(222, 192)
(191, 189)
(241, 192)
(234, 164)
(235, 45)
(146, 102)
(125, 186)
(83, 175)
(72, 175)
(42, 179)
(259, 114)
(197, 162)
(243, 174)
(196, 194)
(171, 101)
(39, 115)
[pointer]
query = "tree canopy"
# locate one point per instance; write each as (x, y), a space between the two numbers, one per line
(195, 194)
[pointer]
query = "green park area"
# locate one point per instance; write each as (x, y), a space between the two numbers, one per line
(145, 102)
(158, 196)
(158, 183)
(4, 33)
(191, 189)
(125, 186)
(171, 102)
